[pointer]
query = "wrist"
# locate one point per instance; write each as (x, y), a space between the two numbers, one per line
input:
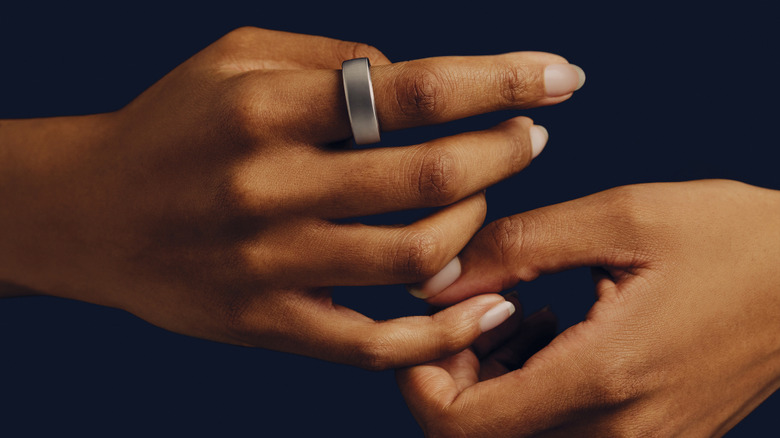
(40, 159)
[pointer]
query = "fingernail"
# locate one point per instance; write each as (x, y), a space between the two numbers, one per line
(580, 77)
(438, 282)
(539, 136)
(539, 313)
(496, 316)
(562, 79)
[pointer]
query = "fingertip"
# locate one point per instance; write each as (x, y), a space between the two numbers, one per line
(434, 285)
(562, 79)
(497, 336)
(496, 315)
(447, 332)
(481, 312)
(543, 316)
(514, 298)
(581, 76)
(539, 137)
(538, 133)
(478, 277)
(470, 308)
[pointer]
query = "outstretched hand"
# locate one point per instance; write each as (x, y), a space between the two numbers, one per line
(211, 205)
(682, 341)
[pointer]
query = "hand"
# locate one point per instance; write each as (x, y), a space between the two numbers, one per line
(210, 205)
(682, 341)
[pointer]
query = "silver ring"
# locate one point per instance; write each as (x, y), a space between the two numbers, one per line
(360, 100)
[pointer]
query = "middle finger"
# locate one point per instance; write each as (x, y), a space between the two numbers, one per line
(373, 181)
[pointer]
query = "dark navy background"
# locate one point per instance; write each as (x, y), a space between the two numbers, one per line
(674, 92)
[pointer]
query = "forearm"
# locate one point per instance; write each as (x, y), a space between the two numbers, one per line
(8, 290)
(38, 159)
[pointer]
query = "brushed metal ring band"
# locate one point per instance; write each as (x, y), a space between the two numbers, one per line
(356, 75)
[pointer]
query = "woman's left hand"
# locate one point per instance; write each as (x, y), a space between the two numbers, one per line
(221, 202)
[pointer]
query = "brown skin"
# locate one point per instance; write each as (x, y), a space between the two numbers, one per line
(209, 205)
(682, 341)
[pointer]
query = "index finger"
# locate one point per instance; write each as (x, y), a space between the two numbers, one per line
(437, 90)
(427, 91)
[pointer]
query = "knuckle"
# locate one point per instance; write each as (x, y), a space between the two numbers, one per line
(240, 110)
(510, 237)
(239, 321)
(627, 202)
(630, 209)
(240, 35)
(375, 354)
(453, 338)
(417, 257)
(236, 198)
(246, 321)
(456, 339)
(245, 112)
(419, 91)
(518, 142)
(507, 234)
(350, 50)
(514, 84)
(436, 176)
(620, 379)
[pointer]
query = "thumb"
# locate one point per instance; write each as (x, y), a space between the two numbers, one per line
(430, 387)
(599, 230)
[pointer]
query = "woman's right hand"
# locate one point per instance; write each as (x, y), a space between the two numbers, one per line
(210, 205)
(683, 339)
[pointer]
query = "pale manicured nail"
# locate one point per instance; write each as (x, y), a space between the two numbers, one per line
(562, 79)
(496, 316)
(581, 77)
(438, 282)
(539, 136)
